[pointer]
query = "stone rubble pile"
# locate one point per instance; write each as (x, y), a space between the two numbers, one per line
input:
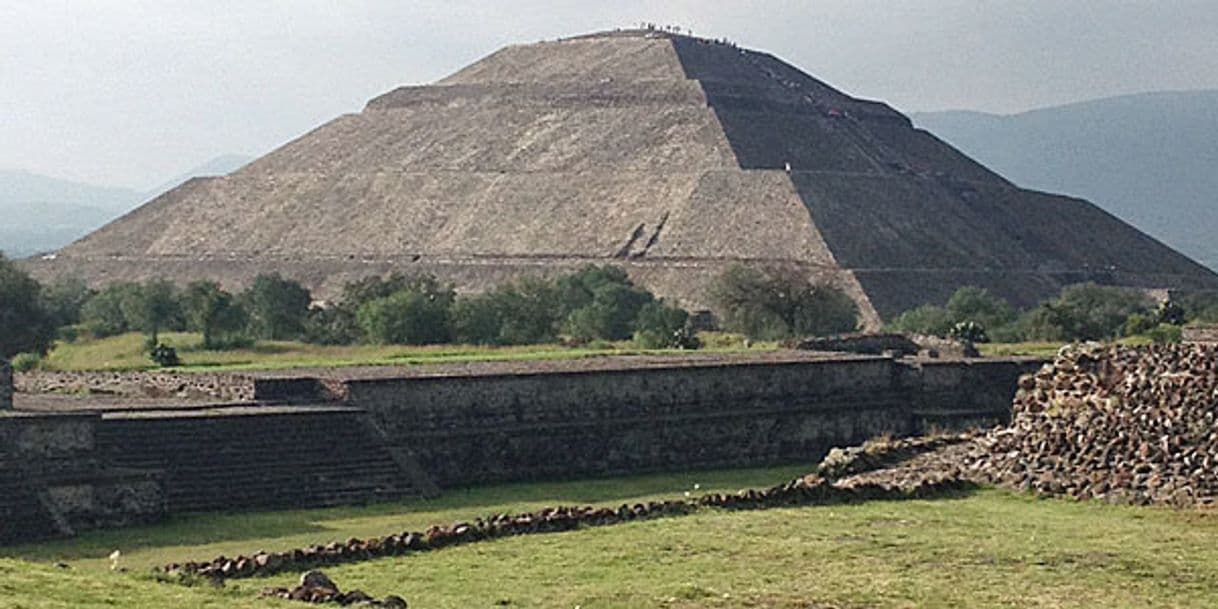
(809, 490)
(881, 453)
(1121, 424)
(317, 588)
(1117, 424)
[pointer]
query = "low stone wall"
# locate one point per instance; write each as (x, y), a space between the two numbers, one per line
(498, 428)
(57, 474)
(52, 482)
(227, 387)
(948, 395)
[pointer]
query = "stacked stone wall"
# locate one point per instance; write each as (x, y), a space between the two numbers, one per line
(482, 429)
(52, 482)
(228, 387)
(6, 386)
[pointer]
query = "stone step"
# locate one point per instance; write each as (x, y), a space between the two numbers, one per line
(252, 461)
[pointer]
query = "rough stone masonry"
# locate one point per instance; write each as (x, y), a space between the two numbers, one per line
(6, 386)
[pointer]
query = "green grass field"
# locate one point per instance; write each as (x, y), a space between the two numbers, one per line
(126, 352)
(988, 549)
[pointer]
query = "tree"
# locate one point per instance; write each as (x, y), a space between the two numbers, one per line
(103, 314)
(776, 303)
(980, 306)
(368, 289)
(25, 325)
(277, 307)
(609, 313)
(212, 312)
(525, 311)
(65, 300)
(331, 325)
(1094, 312)
(529, 311)
(151, 308)
(1200, 307)
(407, 317)
(1086, 312)
(928, 319)
(663, 326)
(578, 289)
(478, 320)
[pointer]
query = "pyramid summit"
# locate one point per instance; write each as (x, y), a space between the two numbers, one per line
(672, 156)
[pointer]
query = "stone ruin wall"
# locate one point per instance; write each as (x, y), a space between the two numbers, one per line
(476, 430)
(225, 387)
(53, 483)
(6, 386)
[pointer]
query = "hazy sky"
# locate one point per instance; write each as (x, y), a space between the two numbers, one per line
(132, 92)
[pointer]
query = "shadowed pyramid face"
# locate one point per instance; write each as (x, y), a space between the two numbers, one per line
(672, 156)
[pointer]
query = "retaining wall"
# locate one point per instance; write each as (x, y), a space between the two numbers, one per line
(52, 482)
(399, 437)
(6, 385)
(497, 428)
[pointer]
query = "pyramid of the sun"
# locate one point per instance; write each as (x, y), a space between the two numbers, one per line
(670, 155)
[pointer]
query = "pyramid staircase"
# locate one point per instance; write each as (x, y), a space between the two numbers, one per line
(263, 457)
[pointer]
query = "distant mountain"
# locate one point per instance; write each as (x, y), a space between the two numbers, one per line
(1151, 159)
(41, 214)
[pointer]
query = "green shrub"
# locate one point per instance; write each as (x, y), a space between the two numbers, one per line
(600, 302)
(164, 356)
(1089, 312)
(335, 325)
(979, 305)
(407, 317)
(969, 331)
(1200, 307)
(478, 320)
(926, 319)
(525, 311)
(70, 334)
(610, 315)
(103, 314)
(1164, 334)
(1139, 323)
(662, 326)
(25, 362)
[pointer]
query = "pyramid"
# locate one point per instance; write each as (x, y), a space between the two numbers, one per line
(672, 156)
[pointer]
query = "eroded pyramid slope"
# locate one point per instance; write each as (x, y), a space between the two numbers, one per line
(672, 156)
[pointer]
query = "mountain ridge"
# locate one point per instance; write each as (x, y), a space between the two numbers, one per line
(44, 213)
(1149, 158)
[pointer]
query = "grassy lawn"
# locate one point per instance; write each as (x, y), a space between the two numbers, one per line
(1035, 349)
(126, 352)
(1047, 349)
(988, 549)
